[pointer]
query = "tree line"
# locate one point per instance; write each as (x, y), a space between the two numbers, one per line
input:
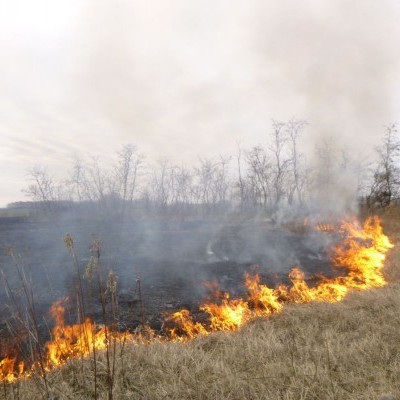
(263, 177)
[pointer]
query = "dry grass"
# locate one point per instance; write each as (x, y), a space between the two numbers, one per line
(348, 350)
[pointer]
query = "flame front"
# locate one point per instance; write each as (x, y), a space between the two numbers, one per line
(360, 256)
(72, 340)
(184, 326)
(68, 342)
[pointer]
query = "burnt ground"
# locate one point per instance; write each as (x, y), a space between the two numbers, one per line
(171, 259)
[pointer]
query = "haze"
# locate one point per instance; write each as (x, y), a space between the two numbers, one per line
(186, 78)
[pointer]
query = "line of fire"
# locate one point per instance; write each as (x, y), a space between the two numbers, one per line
(357, 260)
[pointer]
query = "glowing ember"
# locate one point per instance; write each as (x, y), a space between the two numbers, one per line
(360, 256)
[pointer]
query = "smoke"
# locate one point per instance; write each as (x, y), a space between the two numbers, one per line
(175, 76)
(173, 259)
(341, 57)
(195, 69)
(182, 78)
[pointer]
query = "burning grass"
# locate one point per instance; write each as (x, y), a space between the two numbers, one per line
(360, 255)
(289, 356)
(347, 350)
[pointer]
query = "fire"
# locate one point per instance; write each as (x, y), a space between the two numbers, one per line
(183, 326)
(360, 255)
(10, 370)
(73, 340)
(68, 342)
(264, 301)
(358, 258)
(227, 316)
(328, 290)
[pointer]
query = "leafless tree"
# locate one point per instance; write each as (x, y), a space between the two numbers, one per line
(78, 181)
(161, 183)
(221, 182)
(386, 178)
(98, 181)
(266, 176)
(212, 182)
(127, 170)
(298, 172)
(279, 161)
(241, 183)
(43, 188)
(259, 176)
(182, 179)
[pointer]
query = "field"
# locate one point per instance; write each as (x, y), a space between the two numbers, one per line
(346, 350)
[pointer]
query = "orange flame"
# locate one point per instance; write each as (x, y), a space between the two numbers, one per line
(360, 256)
(73, 340)
(227, 316)
(183, 326)
(10, 370)
(68, 342)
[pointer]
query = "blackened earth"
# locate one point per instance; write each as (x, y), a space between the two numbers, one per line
(170, 260)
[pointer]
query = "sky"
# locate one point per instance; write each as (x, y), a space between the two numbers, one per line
(183, 78)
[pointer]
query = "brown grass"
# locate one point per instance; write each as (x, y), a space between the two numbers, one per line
(348, 350)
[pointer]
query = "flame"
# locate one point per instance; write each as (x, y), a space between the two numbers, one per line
(264, 300)
(68, 342)
(360, 254)
(10, 370)
(227, 316)
(359, 258)
(73, 340)
(183, 326)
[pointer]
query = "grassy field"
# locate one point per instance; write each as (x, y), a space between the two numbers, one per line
(347, 350)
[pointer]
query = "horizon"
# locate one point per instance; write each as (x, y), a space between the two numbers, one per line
(186, 80)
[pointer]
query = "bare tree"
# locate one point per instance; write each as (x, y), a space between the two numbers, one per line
(280, 161)
(78, 181)
(126, 174)
(161, 183)
(220, 180)
(241, 183)
(43, 188)
(386, 179)
(212, 182)
(182, 186)
(294, 129)
(97, 180)
(259, 176)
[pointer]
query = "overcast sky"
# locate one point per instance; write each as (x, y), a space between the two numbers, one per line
(180, 78)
